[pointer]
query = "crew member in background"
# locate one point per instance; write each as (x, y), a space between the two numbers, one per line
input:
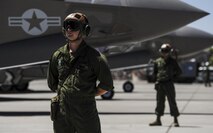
(166, 69)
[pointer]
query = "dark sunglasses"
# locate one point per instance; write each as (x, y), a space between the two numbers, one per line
(72, 25)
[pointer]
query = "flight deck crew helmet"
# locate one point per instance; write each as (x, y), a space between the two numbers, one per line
(165, 48)
(76, 22)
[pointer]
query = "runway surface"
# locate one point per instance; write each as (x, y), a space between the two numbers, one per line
(28, 112)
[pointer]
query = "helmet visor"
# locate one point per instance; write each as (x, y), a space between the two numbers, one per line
(165, 50)
(73, 25)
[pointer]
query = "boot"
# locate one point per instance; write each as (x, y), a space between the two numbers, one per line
(176, 124)
(157, 122)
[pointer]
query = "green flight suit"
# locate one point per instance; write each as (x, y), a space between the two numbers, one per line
(164, 72)
(74, 77)
(207, 72)
(211, 60)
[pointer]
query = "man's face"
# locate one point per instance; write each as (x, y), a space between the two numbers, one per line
(72, 35)
(165, 54)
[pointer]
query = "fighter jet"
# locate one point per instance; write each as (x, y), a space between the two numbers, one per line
(31, 29)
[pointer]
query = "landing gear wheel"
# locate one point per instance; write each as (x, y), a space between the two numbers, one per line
(128, 86)
(22, 86)
(6, 88)
(108, 96)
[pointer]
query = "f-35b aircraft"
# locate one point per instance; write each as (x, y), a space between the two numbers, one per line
(31, 29)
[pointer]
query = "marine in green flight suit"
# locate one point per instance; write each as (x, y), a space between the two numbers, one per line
(210, 59)
(208, 64)
(165, 70)
(73, 72)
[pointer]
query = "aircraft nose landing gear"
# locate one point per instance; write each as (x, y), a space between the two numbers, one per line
(10, 81)
(128, 86)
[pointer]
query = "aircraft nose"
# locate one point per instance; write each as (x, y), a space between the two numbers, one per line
(143, 20)
(167, 14)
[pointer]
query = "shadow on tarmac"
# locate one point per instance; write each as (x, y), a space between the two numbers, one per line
(26, 92)
(5, 99)
(131, 99)
(46, 113)
(21, 114)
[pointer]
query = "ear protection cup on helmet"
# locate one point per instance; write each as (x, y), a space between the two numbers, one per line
(86, 30)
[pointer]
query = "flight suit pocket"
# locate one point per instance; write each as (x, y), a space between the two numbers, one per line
(54, 106)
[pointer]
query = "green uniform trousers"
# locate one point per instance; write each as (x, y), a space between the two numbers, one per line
(166, 89)
(79, 116)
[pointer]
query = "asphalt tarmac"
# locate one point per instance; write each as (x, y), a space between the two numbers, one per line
(28, 112)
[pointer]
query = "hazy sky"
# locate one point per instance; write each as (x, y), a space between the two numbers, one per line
(205, 23)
